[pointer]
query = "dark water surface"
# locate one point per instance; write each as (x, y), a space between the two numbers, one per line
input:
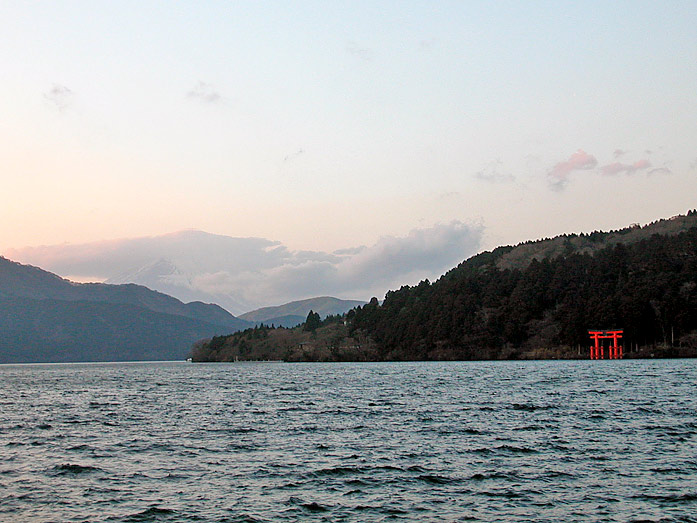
(505, 441)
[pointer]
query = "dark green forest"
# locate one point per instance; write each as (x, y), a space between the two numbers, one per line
(488, 307)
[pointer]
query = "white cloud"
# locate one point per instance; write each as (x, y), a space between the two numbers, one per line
(242, 274)
(363, 53)
(204, 92)
(60, 96)
(659, 170)
(492, 173)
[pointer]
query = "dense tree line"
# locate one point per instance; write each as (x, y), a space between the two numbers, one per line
(478, 310)
(315, 340)
(535, 300)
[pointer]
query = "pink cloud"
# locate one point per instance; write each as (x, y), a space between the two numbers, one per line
(617, 167)
(579, 161)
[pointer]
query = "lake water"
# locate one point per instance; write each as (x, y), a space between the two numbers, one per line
(254, 442)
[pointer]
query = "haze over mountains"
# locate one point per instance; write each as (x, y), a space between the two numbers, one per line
(44, 318)
(244, 274)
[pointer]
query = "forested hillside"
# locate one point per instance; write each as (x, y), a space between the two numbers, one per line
(535, 300)
(315, 340)
(478, 310)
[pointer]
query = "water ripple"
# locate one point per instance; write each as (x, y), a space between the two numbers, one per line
(561, 442)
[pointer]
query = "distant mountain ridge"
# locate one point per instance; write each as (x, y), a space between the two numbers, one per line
(32, 282)
(244, 274)
(295, 312)
(47, 318)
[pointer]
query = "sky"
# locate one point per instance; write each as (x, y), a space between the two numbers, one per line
(328, 126)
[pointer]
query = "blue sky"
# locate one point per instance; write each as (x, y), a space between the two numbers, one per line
(330, 125)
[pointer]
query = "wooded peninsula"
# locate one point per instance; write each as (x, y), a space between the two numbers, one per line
(536, 300)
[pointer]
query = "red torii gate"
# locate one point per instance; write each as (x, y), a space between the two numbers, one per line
(615, 351)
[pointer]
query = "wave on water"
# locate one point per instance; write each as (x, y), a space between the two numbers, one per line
(73, 469)
(689, 497)
(150, 514)
(560, 442)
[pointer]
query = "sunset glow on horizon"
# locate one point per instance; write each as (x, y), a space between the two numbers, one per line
(331, 126)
